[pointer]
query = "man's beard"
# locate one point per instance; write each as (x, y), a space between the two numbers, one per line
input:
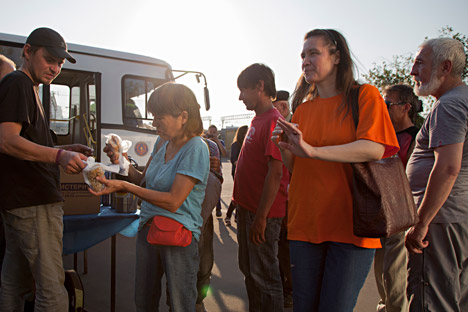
(430, 87)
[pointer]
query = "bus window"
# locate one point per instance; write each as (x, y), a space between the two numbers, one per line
(59, 109)
(137, 91)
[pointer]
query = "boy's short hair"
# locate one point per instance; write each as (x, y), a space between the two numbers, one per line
(252, 75)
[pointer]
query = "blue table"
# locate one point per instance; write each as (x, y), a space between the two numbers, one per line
(81, 232)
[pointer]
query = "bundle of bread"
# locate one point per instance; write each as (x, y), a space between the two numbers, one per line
(118, 147)
(114, 143)
(95, 169)
(92, 174)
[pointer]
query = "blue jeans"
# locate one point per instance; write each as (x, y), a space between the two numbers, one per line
(259, 264)
(180, 264)
(328, 276)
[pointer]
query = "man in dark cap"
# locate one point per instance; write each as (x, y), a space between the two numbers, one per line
(29, 184)
(282, 105)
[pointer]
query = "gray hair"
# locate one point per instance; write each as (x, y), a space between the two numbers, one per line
(447, 49)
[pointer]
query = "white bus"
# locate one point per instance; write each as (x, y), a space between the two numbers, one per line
(105, 92)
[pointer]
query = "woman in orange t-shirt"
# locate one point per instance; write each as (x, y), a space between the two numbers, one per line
(329, 264)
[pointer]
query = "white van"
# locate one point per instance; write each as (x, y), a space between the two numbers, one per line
(105, 92)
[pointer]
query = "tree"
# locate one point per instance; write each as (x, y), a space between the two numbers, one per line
(398, 70)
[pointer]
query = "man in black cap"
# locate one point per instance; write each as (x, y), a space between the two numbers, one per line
(31, 205)
(282, 105)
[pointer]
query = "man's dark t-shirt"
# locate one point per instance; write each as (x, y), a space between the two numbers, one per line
(26, 183)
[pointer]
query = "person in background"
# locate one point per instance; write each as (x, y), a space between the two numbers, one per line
(6, 66)
(205, 245)
(32, 203)
(235, 151)
(438, 174)
(176, 176)
(390, 260)
(260, 192)
(282, 105)
(329, 263)
(213, 135)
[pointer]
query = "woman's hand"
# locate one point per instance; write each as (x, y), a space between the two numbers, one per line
(277, 134)
(111, 186)
(295, 143)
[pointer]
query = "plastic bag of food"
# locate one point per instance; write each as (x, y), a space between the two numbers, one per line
(91, 172)
(119, 147)
(94, 170)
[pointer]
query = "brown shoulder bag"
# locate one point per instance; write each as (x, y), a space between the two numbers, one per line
(383, 204)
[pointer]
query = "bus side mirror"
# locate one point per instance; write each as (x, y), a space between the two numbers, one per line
(207, 98)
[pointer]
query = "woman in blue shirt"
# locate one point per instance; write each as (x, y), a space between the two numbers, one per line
(176, 177)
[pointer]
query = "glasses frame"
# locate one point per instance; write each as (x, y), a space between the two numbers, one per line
(390, 104)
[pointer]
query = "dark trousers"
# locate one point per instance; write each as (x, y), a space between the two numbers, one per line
(284, 258)
(205, 250)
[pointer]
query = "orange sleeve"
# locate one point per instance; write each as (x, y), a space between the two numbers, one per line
(374, 122)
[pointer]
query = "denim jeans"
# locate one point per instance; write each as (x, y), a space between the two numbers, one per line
(328, 276)
(33, 259)
(179, 264)
(259, 264)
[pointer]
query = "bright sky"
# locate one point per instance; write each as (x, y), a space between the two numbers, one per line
(222, 37)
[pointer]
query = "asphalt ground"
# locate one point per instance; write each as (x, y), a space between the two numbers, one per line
(227, 292)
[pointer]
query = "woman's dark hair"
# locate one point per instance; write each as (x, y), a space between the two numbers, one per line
(172, 99)
(240, 134)
(251, 76)
(345, 72)
(406, 94)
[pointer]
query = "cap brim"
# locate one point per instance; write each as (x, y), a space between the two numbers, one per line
(61, 53)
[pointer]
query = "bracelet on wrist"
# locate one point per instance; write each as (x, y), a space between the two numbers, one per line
(57, 156)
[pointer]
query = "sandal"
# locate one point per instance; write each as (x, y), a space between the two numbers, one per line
(227, 221)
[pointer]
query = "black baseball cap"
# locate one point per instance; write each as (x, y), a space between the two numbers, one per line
(52, 41)
(282, 95)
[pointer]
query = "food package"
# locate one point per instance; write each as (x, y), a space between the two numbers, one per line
(94, 170)
(119, 147)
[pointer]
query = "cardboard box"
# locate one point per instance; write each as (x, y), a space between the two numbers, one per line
(78, 200)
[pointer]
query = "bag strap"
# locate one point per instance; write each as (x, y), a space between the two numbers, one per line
(354, 97)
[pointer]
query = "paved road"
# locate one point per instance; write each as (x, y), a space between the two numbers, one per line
(227, 286)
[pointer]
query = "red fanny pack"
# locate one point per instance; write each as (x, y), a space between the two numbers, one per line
(168, 232)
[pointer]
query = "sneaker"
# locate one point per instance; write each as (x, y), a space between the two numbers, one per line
(227, 221)
(219, 213)
(200, 307)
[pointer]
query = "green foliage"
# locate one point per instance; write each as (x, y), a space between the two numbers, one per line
(398, 70)
(390, 73)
